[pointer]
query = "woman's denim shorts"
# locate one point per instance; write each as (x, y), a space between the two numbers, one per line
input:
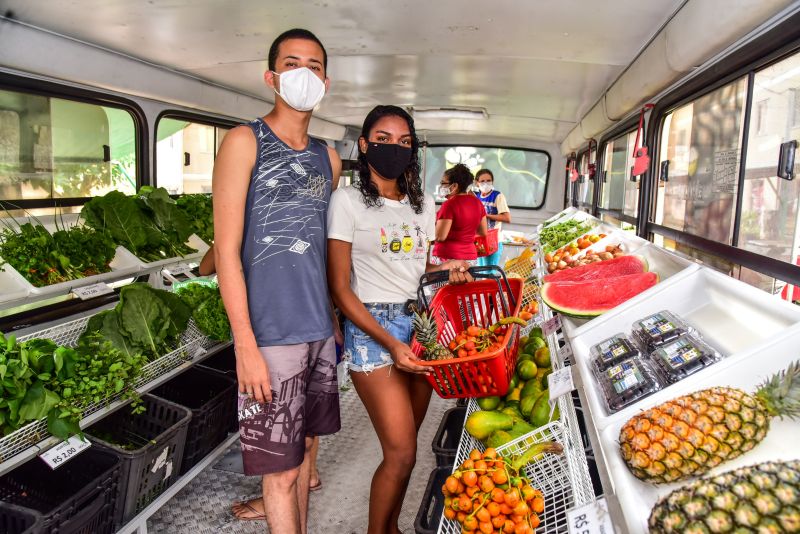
(361, 352)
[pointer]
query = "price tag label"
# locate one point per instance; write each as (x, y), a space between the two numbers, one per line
(591, 518)
(64, 451)
(565, 352)
(94, 290)
(560, 382)
(181, 268)
(551, 325)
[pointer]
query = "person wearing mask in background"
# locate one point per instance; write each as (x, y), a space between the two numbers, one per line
(497, 211)
(379, 233)
(460, 218)
(271, 187)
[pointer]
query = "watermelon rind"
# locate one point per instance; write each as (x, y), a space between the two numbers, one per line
(584, 287)
(607, 266)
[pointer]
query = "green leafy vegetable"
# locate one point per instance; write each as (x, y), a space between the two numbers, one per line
(557, 235)
(208, 310)
(199, 211)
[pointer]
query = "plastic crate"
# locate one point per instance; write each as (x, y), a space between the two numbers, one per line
(151, 463)
(488, 244)
(445, 442)
(211, 396)
(80, 497)
(223, 361)
(19, 520)
(482, 303)
(430, 510)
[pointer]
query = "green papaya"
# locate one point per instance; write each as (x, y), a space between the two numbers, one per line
(520, 428)
(501, 437)
(513, 394)
(542, 375)
(512, 409)
(532, 388)
(513, 382)
(483, 424)
(526, 405)
(488, 403)
(540, 414)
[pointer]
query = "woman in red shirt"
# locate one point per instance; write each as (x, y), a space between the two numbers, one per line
(460, 218)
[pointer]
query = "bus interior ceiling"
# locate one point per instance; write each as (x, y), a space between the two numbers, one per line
(549, 75)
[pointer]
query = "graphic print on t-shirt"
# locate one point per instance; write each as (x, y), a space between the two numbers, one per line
(397, 239)
(290, 200)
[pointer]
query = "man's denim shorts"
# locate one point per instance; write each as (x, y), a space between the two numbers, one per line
(361, 352)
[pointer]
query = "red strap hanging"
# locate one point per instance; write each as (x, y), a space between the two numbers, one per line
(641, 160)
(591, 167)
(573, 172)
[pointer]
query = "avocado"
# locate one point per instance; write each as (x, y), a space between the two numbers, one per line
(482, 424)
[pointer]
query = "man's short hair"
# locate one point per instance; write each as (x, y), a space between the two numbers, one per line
(295, 33)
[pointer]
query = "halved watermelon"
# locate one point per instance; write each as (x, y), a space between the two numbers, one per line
(621, 266)
(590, 298)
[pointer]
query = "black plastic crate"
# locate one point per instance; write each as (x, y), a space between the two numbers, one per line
(445, 441)
(150, 446)
(211, 396)
(430, 510)
(224, 361)
(19, 520)
(80, 497)
(461, 403)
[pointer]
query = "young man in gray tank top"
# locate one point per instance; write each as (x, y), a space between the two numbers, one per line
(272, 183)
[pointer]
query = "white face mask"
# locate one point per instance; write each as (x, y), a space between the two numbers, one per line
(486, 187)
(443, 191)
(301, 88)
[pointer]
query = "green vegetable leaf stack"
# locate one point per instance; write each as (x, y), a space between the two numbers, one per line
(199, 211)
(208, 310)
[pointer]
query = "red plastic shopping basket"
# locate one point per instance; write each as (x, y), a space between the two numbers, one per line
(454, 307)
(488, 244)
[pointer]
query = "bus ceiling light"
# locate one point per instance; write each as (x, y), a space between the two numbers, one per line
(449, 113)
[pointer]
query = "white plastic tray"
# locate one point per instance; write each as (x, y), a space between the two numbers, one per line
(733, 317)
(13, 285)
(745, 371)
(194, 242)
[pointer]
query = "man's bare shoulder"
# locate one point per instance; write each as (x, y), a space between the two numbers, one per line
(239, 138)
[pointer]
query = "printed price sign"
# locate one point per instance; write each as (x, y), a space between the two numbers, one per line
(181, 268)
(591, 518)
(560, 382)
(94, 290)
(64, 451)
(551, 325)
(565, 352)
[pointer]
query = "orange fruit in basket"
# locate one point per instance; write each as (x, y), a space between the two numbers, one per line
(534, 520)
(449, 513)
(473, 330)
(537, 505)
(521, 508)
(490, 453)
(508, 526)
(512, 497)
(451, 484)
(470, 524)
(493, 508)
(498, 521)
(465, 504)
(470, 478)
(486, 527)
(499, 477)
(486, 484)
(499, 496)
(483, 515)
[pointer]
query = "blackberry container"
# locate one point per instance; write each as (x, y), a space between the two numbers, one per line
(659, 329)
(627, 382)
(612, 351)
(683, 357)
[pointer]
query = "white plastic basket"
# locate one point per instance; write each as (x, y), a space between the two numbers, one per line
(563, 479)
(67, 334)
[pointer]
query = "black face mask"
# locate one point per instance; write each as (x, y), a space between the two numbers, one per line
(389, 160)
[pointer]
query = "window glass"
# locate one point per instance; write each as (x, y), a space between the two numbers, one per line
(618, 191)
(769, 219)
(521, 175)
(702, 141)
(585, 185)
(185, 153)
(56, 148)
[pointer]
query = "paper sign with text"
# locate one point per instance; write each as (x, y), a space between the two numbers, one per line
(64, 451)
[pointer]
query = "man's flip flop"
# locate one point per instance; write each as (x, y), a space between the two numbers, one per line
(315, 487)
(257, 516)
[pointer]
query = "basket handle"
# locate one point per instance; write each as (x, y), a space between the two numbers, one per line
(488, 272)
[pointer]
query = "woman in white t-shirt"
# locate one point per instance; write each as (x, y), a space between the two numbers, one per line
(379, 233)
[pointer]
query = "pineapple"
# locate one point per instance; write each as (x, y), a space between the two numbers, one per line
(692, 434)
(427, 335)
(758, 498)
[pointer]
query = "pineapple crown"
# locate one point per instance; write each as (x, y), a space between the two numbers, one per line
(780, 393)
(424, 327)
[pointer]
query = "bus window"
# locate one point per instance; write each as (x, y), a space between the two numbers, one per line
(585, 185)
(618, 193)
(185, 153)
(702, 141)
(55, 148)
(521, 175)
(769, 218)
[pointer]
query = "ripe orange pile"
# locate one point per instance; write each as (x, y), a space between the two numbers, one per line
(486, 494)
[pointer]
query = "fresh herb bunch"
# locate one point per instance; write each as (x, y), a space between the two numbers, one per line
(200, 213)
(557, 235)
(149, 224)
(146, 321)
(45, 259)
(208, 311)
(40, 379)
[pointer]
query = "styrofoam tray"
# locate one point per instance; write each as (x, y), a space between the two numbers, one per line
(13, 285)
(660, 261)
(731, 316)
(194, 242)
(745, 371)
